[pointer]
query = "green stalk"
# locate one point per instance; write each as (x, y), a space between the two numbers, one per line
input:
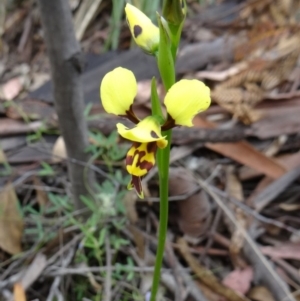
(166, 63)
(163, 159)
(166, 58)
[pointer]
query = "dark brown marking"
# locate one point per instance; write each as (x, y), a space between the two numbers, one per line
(137, 184)
(136, 144)
(151, 147)
(169, 124)
(129, 160)
(153, 134)
(146, 165)
(137, 30)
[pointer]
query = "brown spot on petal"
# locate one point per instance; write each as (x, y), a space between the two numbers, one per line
(146, 165)
(151, 147)
(137, 30)
(140, 154)
(153, 134)
(136, 144)
(129, 160)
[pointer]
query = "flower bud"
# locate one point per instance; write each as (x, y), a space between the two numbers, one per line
(174, 11)
(144, 32)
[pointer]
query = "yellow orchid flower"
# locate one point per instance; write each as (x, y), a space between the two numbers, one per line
(183, 101)
(144, 32)
(146, 136)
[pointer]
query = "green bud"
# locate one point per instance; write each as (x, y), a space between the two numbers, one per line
(174, 11)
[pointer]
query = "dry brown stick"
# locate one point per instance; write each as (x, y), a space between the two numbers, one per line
(206, 276)
(260, 263)
(210, 239)
(292, 271)
(66, 67)
(107, 288)
(172, 263)
(275, 188)
(54, 290)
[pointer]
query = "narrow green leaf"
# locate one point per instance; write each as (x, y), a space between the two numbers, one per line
(155, 103)
(165, 60)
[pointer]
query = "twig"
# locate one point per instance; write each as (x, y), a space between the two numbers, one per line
(25, 33)
(243, 206)
(212, 231)
(172, 263)
(292, 271)
(70, 244)
(54, 290)
(269, 276)
(275, 188)
(107, 287)
(54, 271)
(255, 214)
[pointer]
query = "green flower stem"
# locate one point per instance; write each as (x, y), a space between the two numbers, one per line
(163, 159)
(166, 58)
(163, 162)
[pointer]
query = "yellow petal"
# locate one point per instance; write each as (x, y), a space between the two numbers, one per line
(118, 89)
(185, 99)
(144, 32)
(148, 130)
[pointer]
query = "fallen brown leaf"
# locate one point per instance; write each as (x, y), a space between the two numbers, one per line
(11, 223)
(260, 293)
(19, 292)
(59, 152)
(33, 271)
(206, 276)
(195, 210)
(41, 195)
(288, 161)
(13, 127)
(243, 153)
(11, 89)
(239, 280)
(289, 207)
(286, 250)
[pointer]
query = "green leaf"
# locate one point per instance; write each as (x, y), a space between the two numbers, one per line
(155, 103)
(87, 110)
(47, 170)
(165, 60)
